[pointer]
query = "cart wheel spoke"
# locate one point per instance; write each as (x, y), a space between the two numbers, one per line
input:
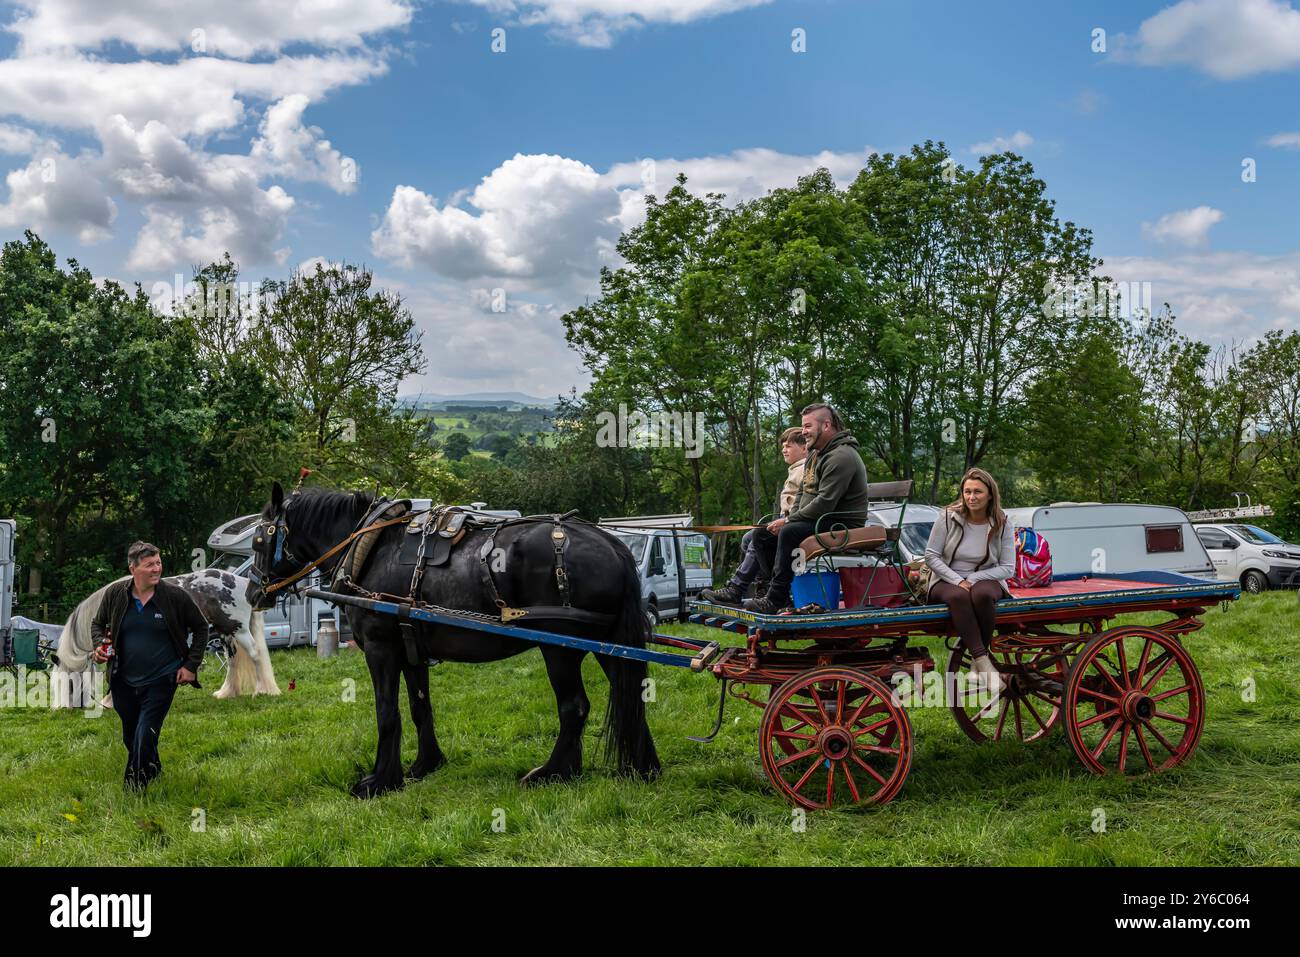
(1030, 708)
(1123, 746)
(796, 757)
(794, 734)
(879, 724)
(1160, 737)
(1105, 673)
(1146, 751)
(1098, 717)
(1169, 694)
(853, 785)
(1091, 693)
(1142, 663)
(868, 768)
(1160, 673)
(809, 773)
(1110, 733)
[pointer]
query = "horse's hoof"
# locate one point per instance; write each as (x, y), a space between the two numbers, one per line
(371, 786)
(420, 769)
(545, 775)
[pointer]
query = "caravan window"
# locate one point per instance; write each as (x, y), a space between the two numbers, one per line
(1164, 538)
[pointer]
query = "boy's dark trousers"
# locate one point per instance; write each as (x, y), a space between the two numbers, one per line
(142, 711)
(775, 553)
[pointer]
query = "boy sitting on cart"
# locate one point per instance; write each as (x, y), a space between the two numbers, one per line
(794, 451)
(834, 480)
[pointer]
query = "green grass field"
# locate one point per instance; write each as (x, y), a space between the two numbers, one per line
(270, 777)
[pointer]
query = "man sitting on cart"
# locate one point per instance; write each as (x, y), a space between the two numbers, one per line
(834, 481)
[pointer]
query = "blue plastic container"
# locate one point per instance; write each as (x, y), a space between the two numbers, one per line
(822, 588)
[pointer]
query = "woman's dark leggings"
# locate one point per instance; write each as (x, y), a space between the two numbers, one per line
(972, 611)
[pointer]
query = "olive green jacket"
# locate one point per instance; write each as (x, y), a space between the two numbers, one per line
(834, 480)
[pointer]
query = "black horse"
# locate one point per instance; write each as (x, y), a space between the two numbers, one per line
(298, 528)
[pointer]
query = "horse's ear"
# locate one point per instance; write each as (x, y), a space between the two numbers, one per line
(277, 497)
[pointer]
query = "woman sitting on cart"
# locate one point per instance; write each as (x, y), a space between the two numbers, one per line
(971, 554)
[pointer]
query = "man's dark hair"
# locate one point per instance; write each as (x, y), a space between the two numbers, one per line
(836, 424)
(139, 551)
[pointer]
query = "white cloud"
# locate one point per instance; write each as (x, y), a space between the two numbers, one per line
(462, 338)
(17, 140)
(153, 118)
(1286, 141)
(538, 217)
(288, 148)
(1220, 297)
(597, 23)
(194, 96)
(1190, 227)
(1228, 39)
(550, 222)
(234, 28)
(62, 192)
(1018, 141)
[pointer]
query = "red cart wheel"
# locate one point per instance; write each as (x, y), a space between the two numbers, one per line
(853, 740)
(1134, 702)
(1028, 709)
(888, 734)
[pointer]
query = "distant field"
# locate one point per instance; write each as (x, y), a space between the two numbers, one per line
(271, 776)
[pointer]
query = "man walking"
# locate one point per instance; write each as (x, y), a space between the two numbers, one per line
(148, 621)
(835, 480)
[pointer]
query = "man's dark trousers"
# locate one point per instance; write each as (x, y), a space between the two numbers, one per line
(775, 553)
(142, 711)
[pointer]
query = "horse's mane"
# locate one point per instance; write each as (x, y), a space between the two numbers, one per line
(319, 506)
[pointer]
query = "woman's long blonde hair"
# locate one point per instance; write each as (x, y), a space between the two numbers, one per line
(995, 514)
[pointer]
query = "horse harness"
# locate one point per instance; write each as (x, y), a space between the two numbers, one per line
(430, 537)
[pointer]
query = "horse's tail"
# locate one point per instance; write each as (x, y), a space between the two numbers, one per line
(627, 737)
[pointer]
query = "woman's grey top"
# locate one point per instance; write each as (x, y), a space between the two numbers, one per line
(950, 534)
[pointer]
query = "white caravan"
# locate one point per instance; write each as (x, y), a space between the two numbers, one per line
(1086, 538)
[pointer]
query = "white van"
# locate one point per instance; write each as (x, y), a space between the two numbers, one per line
(1250, 555)
(674, 565)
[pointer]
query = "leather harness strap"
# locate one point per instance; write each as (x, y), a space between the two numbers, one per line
(311, 566)
(558, 541)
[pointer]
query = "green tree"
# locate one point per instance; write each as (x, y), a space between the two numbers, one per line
(456, 446)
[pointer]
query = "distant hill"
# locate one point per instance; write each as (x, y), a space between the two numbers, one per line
(437, 400)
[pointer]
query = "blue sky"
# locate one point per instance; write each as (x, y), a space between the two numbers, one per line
(477, 171)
